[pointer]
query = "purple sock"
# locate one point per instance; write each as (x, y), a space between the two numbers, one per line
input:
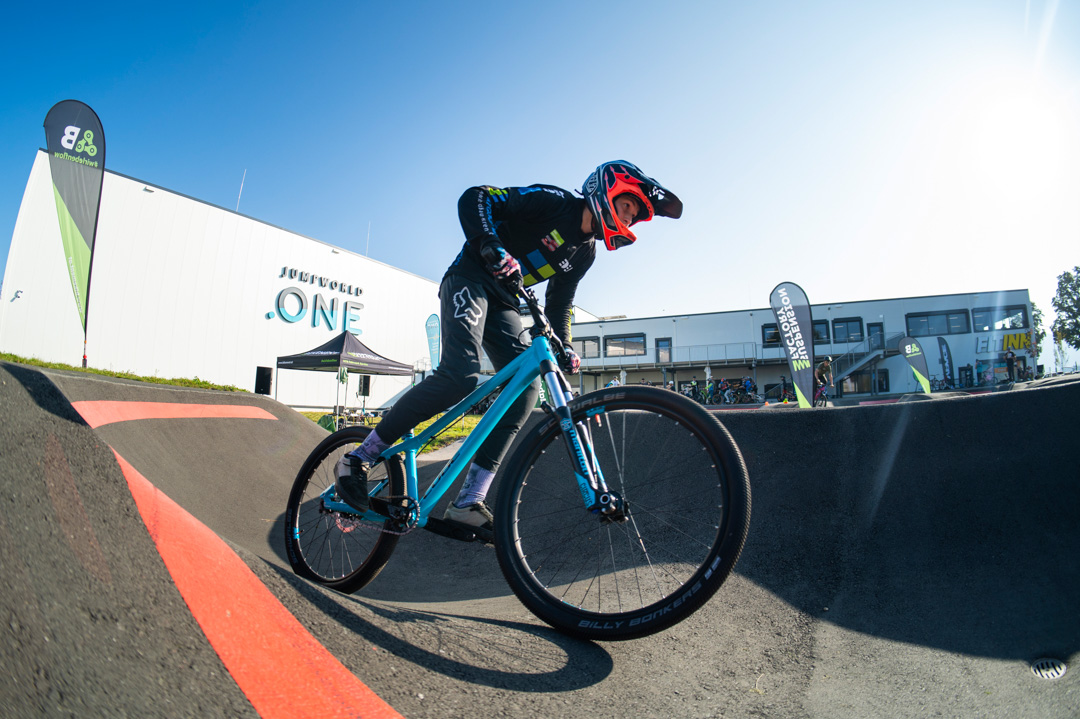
(477, 484)
(371, 448)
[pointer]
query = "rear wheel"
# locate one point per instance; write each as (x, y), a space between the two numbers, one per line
(330, 546)
(686, 499)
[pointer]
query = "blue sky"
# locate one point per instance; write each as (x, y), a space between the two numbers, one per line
(861, 149)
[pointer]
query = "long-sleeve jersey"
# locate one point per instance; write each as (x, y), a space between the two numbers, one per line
(540, 226)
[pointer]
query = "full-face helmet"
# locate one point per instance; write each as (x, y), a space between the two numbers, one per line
(620, 177)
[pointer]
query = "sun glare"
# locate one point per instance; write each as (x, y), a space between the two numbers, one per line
(1018, 141)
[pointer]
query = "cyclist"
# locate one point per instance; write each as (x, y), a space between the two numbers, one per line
(822, 375)
(783, 389)
(532, 234)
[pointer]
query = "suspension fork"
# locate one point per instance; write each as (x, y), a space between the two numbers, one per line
(578, 439)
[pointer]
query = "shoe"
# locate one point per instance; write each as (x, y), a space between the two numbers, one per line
(473, 515)
(351, 481)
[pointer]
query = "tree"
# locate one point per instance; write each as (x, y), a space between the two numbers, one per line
(1066, 304)
(1037, 333)
(1060, 356)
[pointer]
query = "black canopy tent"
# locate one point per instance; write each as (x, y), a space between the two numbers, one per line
(344, 352)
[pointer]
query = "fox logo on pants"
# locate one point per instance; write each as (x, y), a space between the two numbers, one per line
(466, 308)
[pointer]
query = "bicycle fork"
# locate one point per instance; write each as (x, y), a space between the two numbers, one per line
(578, 439)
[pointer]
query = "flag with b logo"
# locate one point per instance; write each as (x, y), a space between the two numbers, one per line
(913, 353)
(76, 145)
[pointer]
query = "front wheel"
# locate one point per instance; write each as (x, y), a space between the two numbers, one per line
(330, 546)
(686, 498)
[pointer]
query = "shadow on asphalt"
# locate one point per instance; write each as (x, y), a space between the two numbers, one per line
(44, 393)
(555, 662)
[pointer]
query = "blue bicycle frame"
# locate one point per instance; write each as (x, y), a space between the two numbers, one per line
(514, 378)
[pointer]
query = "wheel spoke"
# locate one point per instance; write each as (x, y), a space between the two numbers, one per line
(330, 547)
(663, 461)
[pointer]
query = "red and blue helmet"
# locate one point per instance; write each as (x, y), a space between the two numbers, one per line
(620, 177)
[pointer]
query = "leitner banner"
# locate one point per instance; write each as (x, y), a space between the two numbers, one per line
(946, 361)
(913, 353)
(792, 311)
(76, 145)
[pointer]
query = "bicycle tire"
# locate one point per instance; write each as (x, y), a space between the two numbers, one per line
(337, 549)
(669, 459)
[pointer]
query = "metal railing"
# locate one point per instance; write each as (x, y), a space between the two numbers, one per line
(732, 353)
(845, 363)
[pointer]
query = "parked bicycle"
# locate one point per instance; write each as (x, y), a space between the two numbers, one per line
(620, 514)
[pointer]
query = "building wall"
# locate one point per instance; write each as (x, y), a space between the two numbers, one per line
(181, 288)
(732, 344)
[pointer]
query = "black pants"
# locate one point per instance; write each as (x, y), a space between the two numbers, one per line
(473, 316)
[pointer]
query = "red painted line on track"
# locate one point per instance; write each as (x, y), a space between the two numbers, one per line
(98, 413)
(283, 670)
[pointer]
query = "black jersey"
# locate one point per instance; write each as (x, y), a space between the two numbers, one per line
(540, 226)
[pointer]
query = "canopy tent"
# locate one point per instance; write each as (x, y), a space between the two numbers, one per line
(344, 353)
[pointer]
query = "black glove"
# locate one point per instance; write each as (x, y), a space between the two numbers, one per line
(502, 265)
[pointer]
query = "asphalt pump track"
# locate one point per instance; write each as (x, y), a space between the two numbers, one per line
(910, 559)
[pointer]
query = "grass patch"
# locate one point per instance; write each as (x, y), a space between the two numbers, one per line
(458, 430)
(179, 382)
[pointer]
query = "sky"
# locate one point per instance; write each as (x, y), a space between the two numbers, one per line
(863, 150)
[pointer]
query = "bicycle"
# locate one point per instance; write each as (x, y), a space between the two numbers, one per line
(625, 530)
(821, 397)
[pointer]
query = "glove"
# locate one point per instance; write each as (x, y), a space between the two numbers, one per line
(501, 264)
(571, 363)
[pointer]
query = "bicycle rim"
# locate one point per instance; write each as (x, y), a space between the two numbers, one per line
(334, 548)
(687, 497)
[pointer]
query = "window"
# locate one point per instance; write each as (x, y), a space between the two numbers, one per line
(821, 332)
(988, 319)
(770, 335)
(876, 332)
(624, 346)
(663, 349)
(587, 346)
(847, 330)
(927, 324)
(862, 381)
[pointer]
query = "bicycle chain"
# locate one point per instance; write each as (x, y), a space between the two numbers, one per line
(410, 507)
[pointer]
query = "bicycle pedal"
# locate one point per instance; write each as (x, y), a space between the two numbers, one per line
(458, 531)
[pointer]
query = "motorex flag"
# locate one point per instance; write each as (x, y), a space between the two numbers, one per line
(792, 312)
(913, 353)
(76, 145)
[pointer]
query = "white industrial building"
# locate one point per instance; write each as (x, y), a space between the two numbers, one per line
(976, 330)
(182, 288)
